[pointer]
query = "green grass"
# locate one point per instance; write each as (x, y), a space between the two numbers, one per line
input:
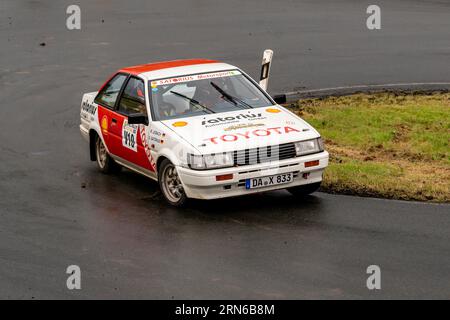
(386, 145)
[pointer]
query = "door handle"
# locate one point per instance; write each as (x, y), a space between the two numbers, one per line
(114, 121)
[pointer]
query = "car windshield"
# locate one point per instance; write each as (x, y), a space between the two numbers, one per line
(206, 93)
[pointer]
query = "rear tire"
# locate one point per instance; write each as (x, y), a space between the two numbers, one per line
(105, 163)
(304, 190)
(170, 184)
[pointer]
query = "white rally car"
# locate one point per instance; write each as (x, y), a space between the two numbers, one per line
(203, 129)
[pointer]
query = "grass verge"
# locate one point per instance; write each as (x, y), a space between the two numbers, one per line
(385, 145)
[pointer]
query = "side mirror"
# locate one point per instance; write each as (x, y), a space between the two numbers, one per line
(138, 118)
(280, 99)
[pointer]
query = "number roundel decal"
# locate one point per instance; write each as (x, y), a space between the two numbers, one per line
(129, 136)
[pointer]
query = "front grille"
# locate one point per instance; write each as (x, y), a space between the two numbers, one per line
(264, 154)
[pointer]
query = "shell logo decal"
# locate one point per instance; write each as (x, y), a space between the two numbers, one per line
(179, 124)
(104, 124)
(273, 110)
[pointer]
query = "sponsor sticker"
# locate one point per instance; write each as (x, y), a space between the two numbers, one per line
(232, 119)
(195, 77)
(243, 126)
(104, 124)
(89, 108)
(179, 124)
(252, 134)
(147, 149)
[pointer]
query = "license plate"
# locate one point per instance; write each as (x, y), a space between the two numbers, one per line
(269, 181)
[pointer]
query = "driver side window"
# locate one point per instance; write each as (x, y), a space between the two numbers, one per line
(133, 97)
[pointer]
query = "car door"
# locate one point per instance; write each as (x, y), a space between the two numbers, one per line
(132, 147)
(108, 118)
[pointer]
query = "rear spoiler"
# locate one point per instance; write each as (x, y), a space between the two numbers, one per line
(265, 68)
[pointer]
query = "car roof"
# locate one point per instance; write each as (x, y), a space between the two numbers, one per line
(164, 69)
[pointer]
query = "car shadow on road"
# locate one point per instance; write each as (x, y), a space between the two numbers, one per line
(278, 205)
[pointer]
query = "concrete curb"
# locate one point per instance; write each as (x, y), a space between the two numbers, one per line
(343, 91)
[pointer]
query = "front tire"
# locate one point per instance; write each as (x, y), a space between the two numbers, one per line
(105, 163)
(170, 184)
(304, 190)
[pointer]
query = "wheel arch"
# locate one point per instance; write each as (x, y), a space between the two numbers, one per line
(160, 160)
(169, 154)
(92, 138)
(93, 134)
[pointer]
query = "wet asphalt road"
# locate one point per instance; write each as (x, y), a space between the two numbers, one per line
(127, 241)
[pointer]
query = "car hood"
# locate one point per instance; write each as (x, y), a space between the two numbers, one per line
(244, 129)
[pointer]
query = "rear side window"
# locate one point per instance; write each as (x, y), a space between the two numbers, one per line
(133, 97)
(108, 95)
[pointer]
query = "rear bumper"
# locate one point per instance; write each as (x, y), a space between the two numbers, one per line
(203, 184)
(84, 133)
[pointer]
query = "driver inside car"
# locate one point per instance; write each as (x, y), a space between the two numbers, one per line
(207, 94)
(165, 109)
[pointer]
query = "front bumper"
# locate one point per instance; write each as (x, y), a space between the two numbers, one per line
(203, 185)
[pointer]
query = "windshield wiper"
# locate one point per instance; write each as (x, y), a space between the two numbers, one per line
(192, 101)
(229, 97)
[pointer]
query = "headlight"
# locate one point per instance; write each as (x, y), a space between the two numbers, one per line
(308, 147)
(211, 161)
(321, 144)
